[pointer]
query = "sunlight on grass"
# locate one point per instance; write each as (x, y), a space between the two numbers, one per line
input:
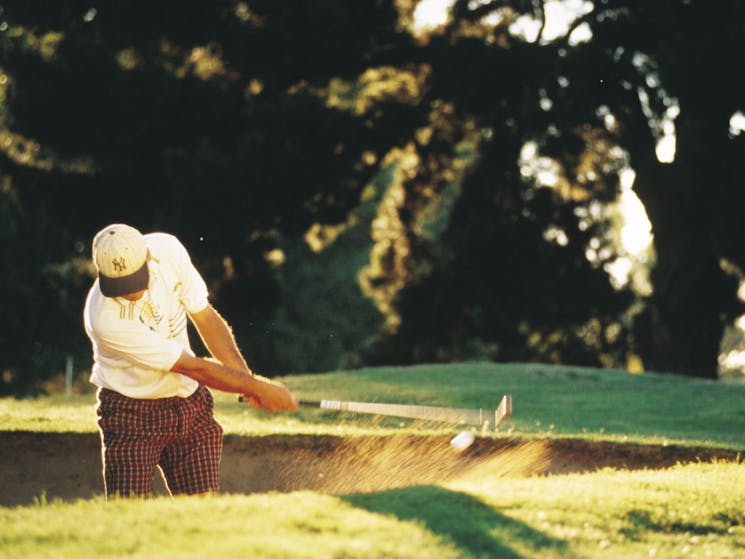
(414, 497)
(548, 401)
(297, 525)
(693, 510)
(58, 414)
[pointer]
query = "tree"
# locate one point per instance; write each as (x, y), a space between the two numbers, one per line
(506, 277)
(206, 120)
(635, 66)
(647, 63)
(280, 139)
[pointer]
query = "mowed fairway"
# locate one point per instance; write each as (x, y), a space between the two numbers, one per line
(505, 500)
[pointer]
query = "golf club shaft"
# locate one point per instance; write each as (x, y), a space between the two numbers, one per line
(478, 417)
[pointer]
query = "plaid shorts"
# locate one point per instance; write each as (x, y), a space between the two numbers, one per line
(179, 435)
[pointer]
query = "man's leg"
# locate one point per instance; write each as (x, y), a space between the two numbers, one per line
(191, 464)
(129, 451)
(128, 466)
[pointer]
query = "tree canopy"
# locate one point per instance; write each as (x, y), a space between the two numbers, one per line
(357, 190)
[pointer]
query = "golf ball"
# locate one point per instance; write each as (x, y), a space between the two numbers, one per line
(462, 441)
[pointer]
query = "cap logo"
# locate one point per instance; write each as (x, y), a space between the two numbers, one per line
(119, 264)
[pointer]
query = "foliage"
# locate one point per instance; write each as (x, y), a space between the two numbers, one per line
(183, 129)
(247, 128)
(652, 77)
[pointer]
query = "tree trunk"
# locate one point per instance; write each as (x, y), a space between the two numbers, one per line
(681, 327)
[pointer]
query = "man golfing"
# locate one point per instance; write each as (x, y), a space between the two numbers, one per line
(154, 408)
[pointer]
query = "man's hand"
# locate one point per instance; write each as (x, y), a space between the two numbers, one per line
(262, 393)
(271, 396)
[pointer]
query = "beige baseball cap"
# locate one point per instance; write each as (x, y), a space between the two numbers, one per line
(120, 256)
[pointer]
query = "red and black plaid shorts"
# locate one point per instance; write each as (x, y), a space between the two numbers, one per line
(179, 435)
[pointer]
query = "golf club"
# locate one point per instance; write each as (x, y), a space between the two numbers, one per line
(460, 416)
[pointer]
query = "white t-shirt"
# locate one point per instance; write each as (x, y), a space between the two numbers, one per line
(135, 343)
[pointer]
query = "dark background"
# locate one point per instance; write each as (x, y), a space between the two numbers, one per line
(353, 191)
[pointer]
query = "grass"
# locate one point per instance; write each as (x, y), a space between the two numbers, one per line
(689, 510)
(297, 525)
(567, 401)
(548, 401)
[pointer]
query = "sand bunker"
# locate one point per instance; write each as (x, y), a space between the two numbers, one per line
(68, 466)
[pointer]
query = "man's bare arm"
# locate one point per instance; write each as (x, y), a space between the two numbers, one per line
(218, 337)
(262, 393)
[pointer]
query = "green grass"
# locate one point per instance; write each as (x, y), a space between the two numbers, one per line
(693, 510)
(548, 401)
(567, 401)
(686, 511)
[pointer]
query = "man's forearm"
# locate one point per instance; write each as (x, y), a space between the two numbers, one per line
(215, 375)
(263, 393)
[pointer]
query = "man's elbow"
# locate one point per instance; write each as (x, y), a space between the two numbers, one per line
(193, 367)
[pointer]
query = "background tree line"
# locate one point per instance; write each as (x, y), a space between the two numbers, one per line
(359, 192)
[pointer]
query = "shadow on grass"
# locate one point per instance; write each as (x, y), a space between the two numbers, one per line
(473, 526)
(641, 522)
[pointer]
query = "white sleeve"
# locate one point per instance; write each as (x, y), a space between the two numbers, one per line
(190, 287)
(193, 290)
